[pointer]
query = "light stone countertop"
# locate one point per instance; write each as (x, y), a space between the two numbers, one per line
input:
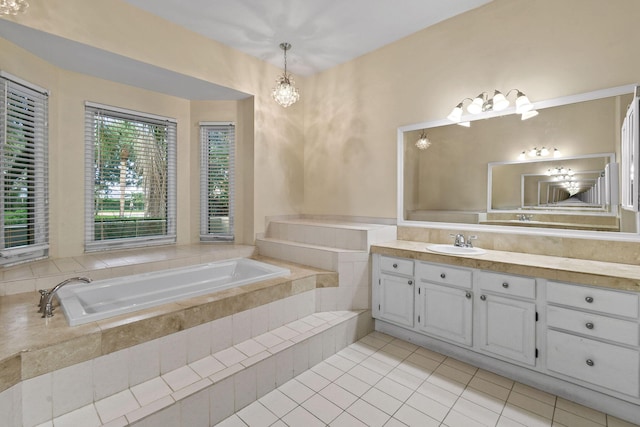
(32, 346)
(597, 273)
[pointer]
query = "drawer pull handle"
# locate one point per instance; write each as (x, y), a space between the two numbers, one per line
(411, 282)
(589, 325)
(442, 275)
(483, 297)
(589, 299)
(505, 285)
(395, 265)
(590, 362)
(468, 295)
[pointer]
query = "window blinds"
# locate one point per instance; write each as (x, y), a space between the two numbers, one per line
(24, 171)
(217, 181)
(130, 178)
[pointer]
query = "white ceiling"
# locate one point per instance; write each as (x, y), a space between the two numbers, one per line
(324, 33)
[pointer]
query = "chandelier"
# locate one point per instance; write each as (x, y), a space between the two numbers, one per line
(498, 102)
(13, 7)
(423, 142)
(285, 93)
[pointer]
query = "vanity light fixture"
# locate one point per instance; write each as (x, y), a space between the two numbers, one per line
(497, 102)
(285, 93)
(13, 7)
(561, 174)
(538, 152)
(423, 142)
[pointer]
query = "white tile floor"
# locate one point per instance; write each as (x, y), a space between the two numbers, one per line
(383, 381)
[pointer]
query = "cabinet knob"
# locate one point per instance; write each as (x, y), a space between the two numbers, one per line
(590, 362)
(589, 325)
(395, 265)
(442, 275)
(589, 299)
(505, 285)
(483, 297)
(468, 295)
(411, 282)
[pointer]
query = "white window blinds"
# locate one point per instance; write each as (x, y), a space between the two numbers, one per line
(130, 178)
(217, 181)
(24, 216)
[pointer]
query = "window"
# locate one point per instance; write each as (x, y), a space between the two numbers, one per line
(217, 162)
(24, 216)
(130, 178)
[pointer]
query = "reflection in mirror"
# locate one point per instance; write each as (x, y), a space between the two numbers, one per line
(472, 175)
(571, 193)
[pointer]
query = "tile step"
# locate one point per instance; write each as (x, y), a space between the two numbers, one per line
(325, 333)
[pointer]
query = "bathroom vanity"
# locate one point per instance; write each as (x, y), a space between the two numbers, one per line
(555, 323)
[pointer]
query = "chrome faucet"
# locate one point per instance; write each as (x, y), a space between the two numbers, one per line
(46, 297)
(461, 242)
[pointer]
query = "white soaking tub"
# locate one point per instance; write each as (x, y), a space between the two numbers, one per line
(83, 303)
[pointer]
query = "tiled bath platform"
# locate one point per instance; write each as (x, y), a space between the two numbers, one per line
(38, 357)
(213, 387)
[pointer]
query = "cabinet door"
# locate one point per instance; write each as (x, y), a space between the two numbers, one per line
(395, 303)
(506, 327)
(445, 312)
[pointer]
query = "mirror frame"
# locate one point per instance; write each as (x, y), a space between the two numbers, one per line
(565, 100)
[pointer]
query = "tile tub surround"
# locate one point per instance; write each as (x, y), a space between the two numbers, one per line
(31, 346)
(176, 371)
(597, 273)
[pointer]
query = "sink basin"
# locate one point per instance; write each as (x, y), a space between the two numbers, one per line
(455, 250)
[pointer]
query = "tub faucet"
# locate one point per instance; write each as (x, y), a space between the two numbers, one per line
(46, 297)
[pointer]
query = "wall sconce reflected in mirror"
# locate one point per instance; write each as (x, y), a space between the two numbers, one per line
(423, 142)
(536, 152)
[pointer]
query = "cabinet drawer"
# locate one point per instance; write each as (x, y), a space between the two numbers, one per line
(444, 274)
(396, 265)
(595, 299)
(593, 325)
(605, 365)
(524, 287)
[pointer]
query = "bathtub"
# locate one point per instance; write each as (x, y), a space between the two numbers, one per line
(83, 303)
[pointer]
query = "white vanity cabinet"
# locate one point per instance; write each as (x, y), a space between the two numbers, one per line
(393, 292)
(444, 302)
(506, 316)
(593, 336)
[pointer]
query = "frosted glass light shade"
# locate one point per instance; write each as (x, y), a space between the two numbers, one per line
(476, 106)
(500, 102)
(528, 114)
(456, 113)
(523, 104)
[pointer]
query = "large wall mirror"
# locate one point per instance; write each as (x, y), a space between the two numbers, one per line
(556, 173)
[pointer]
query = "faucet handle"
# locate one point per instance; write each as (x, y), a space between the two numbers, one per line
(43, 297)
(469, 239)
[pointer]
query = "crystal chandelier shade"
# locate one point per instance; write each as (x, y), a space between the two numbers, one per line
(13, 7)
(285, 93)
(423, 141)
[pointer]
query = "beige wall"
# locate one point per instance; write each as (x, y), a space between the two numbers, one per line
(547, 48)
(270, 139)
(334, 152)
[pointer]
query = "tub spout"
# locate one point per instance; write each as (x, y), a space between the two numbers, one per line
(46, 297)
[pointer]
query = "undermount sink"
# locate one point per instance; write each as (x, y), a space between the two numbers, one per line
(455, 250)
